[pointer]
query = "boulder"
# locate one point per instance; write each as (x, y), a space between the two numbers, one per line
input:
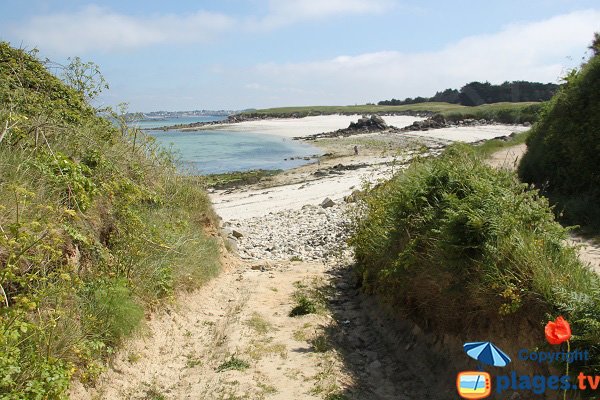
(327, 202)
(237, 234)
(375, 123)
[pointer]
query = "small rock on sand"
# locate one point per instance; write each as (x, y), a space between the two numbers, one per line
(327, 203)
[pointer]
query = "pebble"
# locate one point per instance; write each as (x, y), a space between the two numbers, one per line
(311, 233)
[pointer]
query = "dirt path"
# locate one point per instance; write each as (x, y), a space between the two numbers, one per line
(339, 352)
(507, 158)
(236, 339)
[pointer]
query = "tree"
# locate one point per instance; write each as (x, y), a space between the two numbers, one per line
(85, 77)
(595, 46)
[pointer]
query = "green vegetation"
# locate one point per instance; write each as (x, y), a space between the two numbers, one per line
(309, 298)
(563, 155)
(459, 246)
(501, 112)
(477, 93)
(320, 343)
(304, 306)
(259, 324)
(96, 229)
(239, 178)
(233, 364)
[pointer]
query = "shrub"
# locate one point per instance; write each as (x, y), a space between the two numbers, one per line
(96, 227)
(563, 156)
(456, 244)
(111, 313)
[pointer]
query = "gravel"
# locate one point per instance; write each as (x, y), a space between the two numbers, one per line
(309, 234)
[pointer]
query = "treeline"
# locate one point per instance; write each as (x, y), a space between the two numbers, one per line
(477, 93)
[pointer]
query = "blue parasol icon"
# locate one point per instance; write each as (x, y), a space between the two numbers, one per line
(487, 353)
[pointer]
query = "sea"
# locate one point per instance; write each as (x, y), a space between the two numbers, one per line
(219, 151)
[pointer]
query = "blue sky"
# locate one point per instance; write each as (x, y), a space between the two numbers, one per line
(234, 54)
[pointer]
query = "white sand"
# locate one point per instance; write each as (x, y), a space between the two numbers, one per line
(252, 203)
(470, 134)
(294, 127)
(255, 203)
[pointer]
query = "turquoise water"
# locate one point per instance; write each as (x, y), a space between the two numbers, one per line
(218, 151)
(155, 123)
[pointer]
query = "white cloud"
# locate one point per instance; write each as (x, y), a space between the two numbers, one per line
(286, 12)
(537, 51)
(96, 28)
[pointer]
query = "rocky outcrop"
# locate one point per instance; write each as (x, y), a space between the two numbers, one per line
(365, 124)
(438, 121)
(373, 124)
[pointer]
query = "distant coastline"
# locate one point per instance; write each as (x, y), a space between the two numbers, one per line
(507, 113)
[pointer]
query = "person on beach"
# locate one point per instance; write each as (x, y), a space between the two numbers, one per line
(355, 150)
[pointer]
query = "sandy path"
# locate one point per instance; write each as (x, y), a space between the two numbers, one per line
(348, 349)
(507, 158)
(244, 313)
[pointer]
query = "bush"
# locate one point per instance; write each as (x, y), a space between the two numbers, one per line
(563, 156)
(96, 227)
(456, 244)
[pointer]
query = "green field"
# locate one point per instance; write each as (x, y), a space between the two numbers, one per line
(443, 108)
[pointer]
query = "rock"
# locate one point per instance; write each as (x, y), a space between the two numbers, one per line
(327, 202)
(378, 120)
(375, 123)
(237, 234)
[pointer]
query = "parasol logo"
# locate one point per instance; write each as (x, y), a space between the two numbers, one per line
(487, 353)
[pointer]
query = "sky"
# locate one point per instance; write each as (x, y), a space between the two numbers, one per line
(238, 54)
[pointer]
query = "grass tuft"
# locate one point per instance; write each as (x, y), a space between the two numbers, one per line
(233, 363)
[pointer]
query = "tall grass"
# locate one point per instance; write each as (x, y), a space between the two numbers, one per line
(457, 246)
(96, 229)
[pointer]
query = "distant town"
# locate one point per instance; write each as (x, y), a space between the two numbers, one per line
(183, 114)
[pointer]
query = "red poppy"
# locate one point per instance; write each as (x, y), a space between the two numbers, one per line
(558, 331)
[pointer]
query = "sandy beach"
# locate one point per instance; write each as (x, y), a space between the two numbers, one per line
(294, 127)
(336, 176)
